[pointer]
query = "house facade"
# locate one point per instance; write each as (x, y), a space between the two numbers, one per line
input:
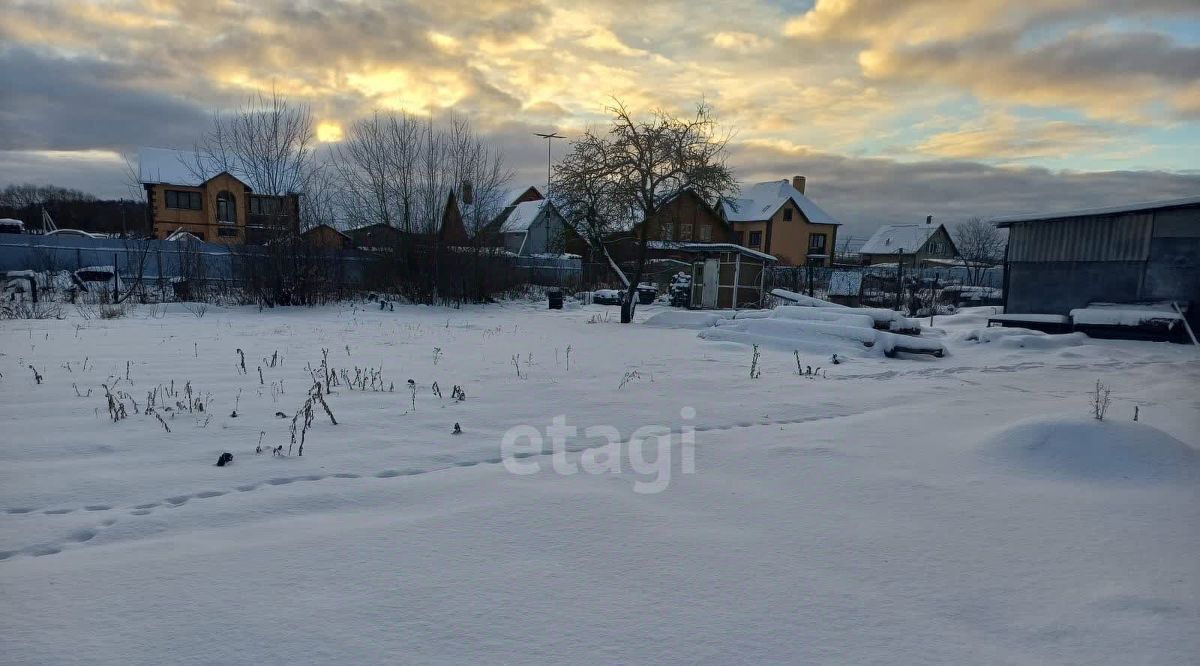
(220, 208)
(915, 245)
(684, 218)
(326, 237)
(529, 224)
(529, 227)
(382, 237)
(777, 218)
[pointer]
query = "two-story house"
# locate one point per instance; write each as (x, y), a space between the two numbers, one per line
(216, 207)
(777, 218)
(915, 245)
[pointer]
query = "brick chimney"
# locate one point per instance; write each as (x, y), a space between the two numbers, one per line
(798, 183)
(928, 219)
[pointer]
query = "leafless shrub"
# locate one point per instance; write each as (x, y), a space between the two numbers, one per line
(197, 308)
(303, 419)
(28, 310)
(628, 377)
(1099, 399)
(116, 409)
(113, 310)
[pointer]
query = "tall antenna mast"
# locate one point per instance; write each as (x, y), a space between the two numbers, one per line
(549, 139)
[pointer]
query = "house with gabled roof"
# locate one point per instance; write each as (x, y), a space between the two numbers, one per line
(916, 245)
(529, 225)
(214, 206)
(776, 217)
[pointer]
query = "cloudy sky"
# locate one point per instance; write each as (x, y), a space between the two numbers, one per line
(893, 110)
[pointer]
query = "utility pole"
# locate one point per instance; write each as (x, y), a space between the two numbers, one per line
(899, 278)
(549, 139)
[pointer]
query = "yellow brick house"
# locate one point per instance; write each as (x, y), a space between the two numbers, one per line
(777, 218)
(214, 207)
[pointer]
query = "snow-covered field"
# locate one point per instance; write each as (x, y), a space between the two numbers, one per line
(914, 510)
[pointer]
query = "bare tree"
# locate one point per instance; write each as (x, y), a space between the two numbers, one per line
(364, 167)
(404, 150)
(321, 203)
(478, 172)
(593, 205)
(648, 161)
(27, 194)
(268, 142)
(981, 246)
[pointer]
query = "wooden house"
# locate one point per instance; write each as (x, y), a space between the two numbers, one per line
(326, 237)
(915, 245)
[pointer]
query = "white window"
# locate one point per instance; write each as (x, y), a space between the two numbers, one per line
(666, 231)
(706, 233)
(685, 232)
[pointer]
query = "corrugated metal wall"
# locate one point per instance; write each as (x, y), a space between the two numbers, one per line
(1093, 238)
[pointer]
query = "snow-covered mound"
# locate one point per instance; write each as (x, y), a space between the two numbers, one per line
(832, 315)
(1023, 338)
(685, 319)
(1095, 450)
(818, 337)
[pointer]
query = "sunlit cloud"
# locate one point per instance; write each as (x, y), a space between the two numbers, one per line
(1059, 83)
(329, 132)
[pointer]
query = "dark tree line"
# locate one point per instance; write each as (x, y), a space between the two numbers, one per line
(73, 209)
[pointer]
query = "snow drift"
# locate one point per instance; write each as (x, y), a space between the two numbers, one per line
(1023, 338)
(685, 319)
(1095, 450)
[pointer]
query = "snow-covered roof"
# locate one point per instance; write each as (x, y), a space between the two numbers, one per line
(10, 222)
(521, 216)
(163, 165)
(177, 167)
(891, 238)
(725, 247)
(1007, 220)
(761, 200)
(74, 232)
(185, 236)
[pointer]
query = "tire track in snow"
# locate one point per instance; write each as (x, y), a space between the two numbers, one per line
(83, 536)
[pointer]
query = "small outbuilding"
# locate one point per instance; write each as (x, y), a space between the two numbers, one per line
(1135, 253)
(725, 275)
(326, 237)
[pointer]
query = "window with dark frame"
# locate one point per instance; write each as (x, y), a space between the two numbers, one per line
(755, 239)
(183, 200)
(685, 232)
(265, 205)
(705, 233)
(816, 242)
(226, 208)
(787, 214)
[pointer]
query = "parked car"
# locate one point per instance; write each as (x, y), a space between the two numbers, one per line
(606, 297)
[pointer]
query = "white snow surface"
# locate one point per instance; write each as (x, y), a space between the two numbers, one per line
(1116, 316)
(961, 510)
(891, 238)
(1097, 450)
